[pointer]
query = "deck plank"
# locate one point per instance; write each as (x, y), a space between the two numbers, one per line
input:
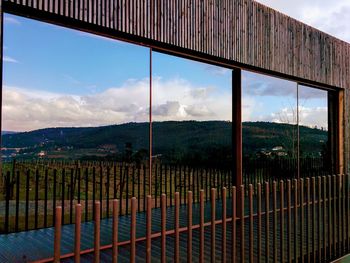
(38, 244)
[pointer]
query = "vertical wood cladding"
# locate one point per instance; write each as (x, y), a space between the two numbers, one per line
(242, 31)
(347, 131)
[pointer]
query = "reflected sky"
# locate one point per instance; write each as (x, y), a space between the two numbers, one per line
(58, 77)
(268, 99)
(313, 107)
(272, 99)
(190, 90)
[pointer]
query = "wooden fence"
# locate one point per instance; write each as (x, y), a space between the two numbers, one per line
(299, 220)
(33, 190)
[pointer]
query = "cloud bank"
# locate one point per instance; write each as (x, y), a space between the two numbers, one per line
(173, 99)
(176, 99)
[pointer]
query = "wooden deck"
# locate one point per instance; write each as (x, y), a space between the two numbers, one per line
(38, 244)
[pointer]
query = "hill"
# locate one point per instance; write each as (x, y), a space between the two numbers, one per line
(174, 140)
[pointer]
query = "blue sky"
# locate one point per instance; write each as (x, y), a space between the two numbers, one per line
(55, 77)
(56, 59)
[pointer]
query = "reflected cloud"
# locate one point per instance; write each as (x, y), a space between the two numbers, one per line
(30, 109)
(10, 20)
(170, 108)
(262, 85)
(215, 70)
(9, 59)
(200, 111)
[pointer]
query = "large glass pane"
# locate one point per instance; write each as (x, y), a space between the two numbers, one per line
(313, 126)
(75, 117)
(269, 128)
(192, 124)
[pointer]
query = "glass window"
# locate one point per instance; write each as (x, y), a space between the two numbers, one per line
(269, 127)
(313, 130)
(74, 79)
(192, 118)
(78, 105)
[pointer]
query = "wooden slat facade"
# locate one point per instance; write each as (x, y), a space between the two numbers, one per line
(240, 33)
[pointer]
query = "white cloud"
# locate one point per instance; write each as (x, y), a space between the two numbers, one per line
(11, 20)
(215, 70)
(9, 59)
(86, 34)
(313, 116)
(308, 116)
(176, 99)
(188, 102)
(263, 85)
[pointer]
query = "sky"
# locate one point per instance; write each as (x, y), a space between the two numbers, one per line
(58, 77)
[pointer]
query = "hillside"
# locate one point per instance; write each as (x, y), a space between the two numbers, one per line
(172, 139)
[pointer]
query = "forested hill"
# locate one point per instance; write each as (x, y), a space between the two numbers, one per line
(171, 136)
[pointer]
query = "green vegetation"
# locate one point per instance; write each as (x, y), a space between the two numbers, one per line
(173, 141)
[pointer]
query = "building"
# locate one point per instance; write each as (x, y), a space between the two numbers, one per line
(240, 35)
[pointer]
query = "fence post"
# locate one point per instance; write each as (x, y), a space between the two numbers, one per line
(319, 183)
(189, 226)
(212, 226)
(201, 226)
(17, 202)
(176, 226)
(149, 229)
(26, 223)
(97, 233)
(267, 222)
(251, 225)
(259, 222)
(324, 190)
(36, 199)
(115, 232)
(77, 233)
(302, 215)
(308, 187)
(295, 219)
(57, 238)
(133, 230)
(330, 218)
(289, 224)
(234, 225)
(274, 203)
(223, 234)
(7, 197)
(241, 201)
(163, 227)
(281, 221)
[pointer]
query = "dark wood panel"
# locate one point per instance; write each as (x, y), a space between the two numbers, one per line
(347, 131)
(242, 31)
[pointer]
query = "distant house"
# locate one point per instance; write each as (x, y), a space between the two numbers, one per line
(111, 148)
(277, 148)
(41, 154)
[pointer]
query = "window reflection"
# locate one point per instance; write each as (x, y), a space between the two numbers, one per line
(191, 111)
(90, 83)
(192, 125)
(313, 127)
(269, 127)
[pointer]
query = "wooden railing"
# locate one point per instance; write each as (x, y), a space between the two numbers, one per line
(31, 191)
(299, 220)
